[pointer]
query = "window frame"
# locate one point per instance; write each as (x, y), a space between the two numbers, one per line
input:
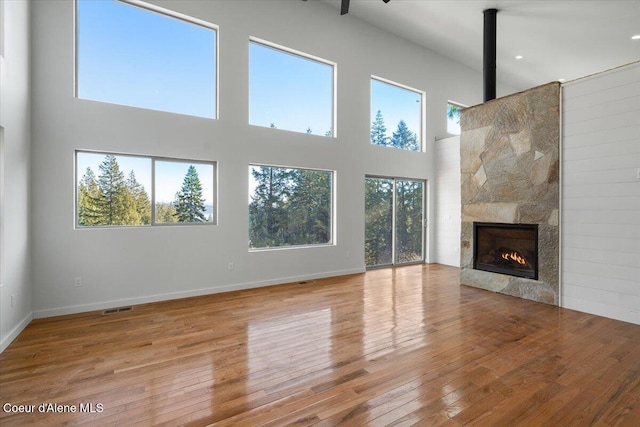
(152, 192)
(333, 210)
(394, 212)
(422, 134)
(305, 56)
(148, 7)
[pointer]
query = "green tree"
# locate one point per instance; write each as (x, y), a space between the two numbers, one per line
(378, 221)
(453, 112)
(87, 194)
(189, 202)
(309, 208)
(140, 198)
(114, 204)
(379, 131)
(408, 220)
(268, 210)
(403, 138)
(166, 213)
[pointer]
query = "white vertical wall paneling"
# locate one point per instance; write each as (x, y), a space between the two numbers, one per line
(447, 201)
(601, 194)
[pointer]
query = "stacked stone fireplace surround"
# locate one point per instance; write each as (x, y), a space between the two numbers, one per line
(509, 155)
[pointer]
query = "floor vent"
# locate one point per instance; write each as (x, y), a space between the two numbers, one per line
(116, 310)
(306, 282)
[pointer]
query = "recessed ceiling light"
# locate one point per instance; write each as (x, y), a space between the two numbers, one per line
(519, 57)
(561, 80)
(636, 37)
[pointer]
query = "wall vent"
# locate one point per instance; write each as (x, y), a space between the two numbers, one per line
(116, 310)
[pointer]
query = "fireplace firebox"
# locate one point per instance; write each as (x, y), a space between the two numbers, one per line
(506, 248)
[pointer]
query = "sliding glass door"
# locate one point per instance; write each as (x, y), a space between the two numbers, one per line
(394, 221)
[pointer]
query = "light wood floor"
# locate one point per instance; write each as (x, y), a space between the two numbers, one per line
(404, 346)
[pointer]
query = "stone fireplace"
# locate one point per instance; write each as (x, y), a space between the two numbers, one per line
(509, 154)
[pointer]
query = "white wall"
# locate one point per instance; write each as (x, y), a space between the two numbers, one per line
(601, 194)
(446, 201)
(125, 266)
(15, 246)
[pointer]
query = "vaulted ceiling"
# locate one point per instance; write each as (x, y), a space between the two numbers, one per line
(557, 39)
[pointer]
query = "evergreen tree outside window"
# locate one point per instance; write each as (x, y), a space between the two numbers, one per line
(184, 192)
(116, 190)
(394, 221)
(289, 207)
(396, 115)
(453, 118)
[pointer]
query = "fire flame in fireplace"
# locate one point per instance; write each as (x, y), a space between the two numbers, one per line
(514, 256)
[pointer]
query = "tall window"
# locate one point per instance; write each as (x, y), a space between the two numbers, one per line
(290, 91)
(394, 221)
(289, 207)
(396, 116)
(453, 118)
(118, 190)
(145, 57)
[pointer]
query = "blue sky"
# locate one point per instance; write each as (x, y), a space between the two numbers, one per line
(292, 92)
(395, 104)
(130, 56)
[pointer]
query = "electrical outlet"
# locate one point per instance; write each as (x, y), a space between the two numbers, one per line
(77, 282)
(230, 266)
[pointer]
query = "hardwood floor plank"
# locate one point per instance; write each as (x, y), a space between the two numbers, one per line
(401, 346)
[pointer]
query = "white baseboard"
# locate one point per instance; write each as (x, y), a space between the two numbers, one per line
(82, 308)
(13, 334)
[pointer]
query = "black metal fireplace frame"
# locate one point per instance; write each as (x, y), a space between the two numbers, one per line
(496, 269)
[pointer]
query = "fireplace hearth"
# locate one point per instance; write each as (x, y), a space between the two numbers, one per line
(506, 249)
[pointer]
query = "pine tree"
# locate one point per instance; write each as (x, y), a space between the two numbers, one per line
(309, 208)
(379, 131)
(140, 199)
(166, 213)
(378, 221)
(114, 203)
(87, 194)
(268, 215)
(403, 138)
(189, 203)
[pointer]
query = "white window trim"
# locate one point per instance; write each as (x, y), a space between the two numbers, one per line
(333, 228)
(165, 12)
(304, 55)
(423, 107)
(152, 195)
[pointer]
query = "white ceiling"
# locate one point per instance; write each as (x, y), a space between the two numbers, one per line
(558, 39)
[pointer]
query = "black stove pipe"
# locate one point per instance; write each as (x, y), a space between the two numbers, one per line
(489, 54)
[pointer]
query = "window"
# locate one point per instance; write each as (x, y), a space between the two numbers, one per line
(453, 118)
(145, 57)
(289, 207)
(290, 91)
(394, 212)
(183, 192)
(118, 190)
(396, 115)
